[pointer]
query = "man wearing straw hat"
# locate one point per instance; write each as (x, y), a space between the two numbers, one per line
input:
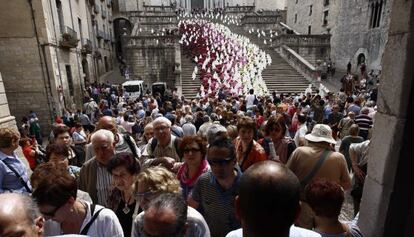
(318, 160)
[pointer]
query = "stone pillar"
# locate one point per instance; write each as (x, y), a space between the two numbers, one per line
(6, 120)
(387, 204)
(177, 70)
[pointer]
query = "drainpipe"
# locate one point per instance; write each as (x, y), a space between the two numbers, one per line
(56, 51)
(76, 50)
(48, 96)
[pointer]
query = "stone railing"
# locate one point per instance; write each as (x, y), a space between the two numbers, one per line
(259, 19)
(150, 41)
(301, 40)
(238, 9)
(298, 62)
(158, 8)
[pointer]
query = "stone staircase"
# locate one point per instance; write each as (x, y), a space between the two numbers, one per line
(189, 86)
(279, 76)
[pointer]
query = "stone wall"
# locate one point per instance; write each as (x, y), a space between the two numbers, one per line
(6, 120)
(152, 58)
(354, 36)
(387, 202)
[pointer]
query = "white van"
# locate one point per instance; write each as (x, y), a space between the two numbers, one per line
(133, 89)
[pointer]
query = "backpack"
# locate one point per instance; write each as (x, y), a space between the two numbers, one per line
(177, 142)
(256, 101)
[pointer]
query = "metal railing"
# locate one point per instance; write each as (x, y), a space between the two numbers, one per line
(86, 46)
(69, 32)
(69, 38)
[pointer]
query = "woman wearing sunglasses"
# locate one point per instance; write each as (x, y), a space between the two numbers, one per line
(124, 168)
(195, 164)
(56, 196)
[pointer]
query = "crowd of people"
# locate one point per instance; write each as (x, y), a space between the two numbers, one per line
(224, 60)
(235, 161)
(215, 166)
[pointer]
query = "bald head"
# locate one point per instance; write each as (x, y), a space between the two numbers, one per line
(19, 214)
(108, 123)
(268, 198)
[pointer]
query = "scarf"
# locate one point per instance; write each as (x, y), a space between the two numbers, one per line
(183, 173)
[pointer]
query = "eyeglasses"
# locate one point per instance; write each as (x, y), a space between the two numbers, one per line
(193, 150)
(221, 162)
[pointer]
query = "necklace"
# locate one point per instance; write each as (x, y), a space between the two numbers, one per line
(126, 209)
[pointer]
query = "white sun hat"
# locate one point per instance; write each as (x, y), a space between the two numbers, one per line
(321, 133)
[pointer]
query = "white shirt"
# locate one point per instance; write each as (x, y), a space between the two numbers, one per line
(105, 225)
(300, 133)
(250, 100)
(294, 232)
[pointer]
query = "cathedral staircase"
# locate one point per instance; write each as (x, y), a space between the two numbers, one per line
(279, 76)
(189, 86)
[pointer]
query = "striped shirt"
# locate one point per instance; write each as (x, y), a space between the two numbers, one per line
(103, 184)
(217, 204)
(364, 122)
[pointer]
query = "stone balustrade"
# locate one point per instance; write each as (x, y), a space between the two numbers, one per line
(298, 62)
(239, 9)
(301, 40)
(151, 41)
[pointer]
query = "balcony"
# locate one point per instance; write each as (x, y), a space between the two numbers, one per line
(100, 34)
(110, 19)
(86, 46)
(97, 53)
(69, 38)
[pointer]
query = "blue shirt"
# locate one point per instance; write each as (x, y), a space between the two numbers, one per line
(9, 182)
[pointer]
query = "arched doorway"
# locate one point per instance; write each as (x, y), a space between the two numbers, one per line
(85, 70)
(361, 58)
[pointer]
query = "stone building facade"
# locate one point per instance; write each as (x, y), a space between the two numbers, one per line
(312, 17)
(138, 5)
(50, 51)
(6, 120)
(359, 28)
(361, 33)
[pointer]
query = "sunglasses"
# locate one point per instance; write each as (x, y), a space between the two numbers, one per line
(145, 195)
(221, 162)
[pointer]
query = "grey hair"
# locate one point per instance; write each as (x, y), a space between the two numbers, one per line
(103, 133)
(176, 203)
(149, 125)
(31, 208)
(161, 120)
